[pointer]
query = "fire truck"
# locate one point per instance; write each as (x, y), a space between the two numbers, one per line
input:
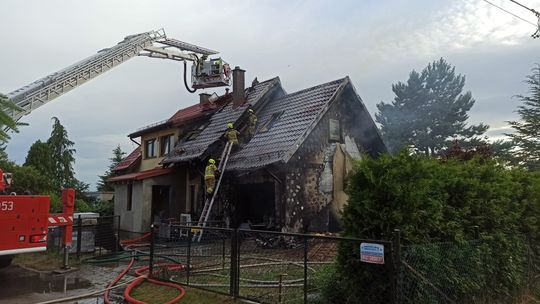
(25, 219)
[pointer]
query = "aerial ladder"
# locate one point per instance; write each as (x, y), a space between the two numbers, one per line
(205, 72)
(209, 202)
(26, 215)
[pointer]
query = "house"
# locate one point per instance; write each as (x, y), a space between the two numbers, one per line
(289, 176)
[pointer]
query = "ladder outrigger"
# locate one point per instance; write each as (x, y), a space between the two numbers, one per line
(209, 202)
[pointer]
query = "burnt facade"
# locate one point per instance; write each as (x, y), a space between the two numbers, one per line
(290, 176)
(305, 182)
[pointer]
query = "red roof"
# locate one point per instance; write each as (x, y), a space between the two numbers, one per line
(188, 113)
(141, 175)
(132, 159)
(198, 110)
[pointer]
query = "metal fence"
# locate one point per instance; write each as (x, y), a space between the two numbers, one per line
(262, 266)
(95, 236)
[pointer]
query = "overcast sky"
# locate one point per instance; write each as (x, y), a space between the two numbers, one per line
(305, 43)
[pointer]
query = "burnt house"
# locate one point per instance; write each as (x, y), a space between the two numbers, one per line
(291, 174)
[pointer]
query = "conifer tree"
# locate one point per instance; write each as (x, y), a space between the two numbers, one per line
(527, 134)
(62, 156)
(429, 112)
(103, 185)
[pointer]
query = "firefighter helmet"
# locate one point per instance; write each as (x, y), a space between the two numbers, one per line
(250, 110)
(211, 161)
(230, 126)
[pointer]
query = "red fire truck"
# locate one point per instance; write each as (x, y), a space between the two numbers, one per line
(24, 219)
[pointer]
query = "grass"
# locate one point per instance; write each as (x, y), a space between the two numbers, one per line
(43, 261)
(156, 294)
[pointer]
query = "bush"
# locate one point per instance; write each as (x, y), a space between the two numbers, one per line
(431, 200)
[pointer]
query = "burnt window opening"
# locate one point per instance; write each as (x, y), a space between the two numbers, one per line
(192, 135)
(334, 130)
(271, 122)
(129, 197)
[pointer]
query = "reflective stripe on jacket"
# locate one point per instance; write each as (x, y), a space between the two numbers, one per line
(210, 170)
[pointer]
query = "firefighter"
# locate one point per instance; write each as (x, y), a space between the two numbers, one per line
(252, 123)
(210, 176)
(231, 134)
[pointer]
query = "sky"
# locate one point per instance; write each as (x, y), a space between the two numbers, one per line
(305, 43)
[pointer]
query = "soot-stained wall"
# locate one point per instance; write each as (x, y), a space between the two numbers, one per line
(309, 176)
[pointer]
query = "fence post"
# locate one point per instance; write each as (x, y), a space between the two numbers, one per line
(79, 236)
(223, 254)
(117, 241)
(280, 287)
(151, 262)
(234, 262)
(305, 267)
(190, 236)
(476, 231)
(396, 264)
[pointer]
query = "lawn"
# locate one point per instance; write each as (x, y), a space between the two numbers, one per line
(155, 294)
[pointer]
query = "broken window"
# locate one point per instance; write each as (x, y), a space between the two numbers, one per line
(335, 130)
(167, 142)
(150, 148)
(271, 122)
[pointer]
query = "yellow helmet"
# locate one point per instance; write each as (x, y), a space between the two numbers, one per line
(250, 110)
(211, 161)
(230, 126)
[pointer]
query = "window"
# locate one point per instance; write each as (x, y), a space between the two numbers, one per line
(129, 196)
(167, 143)
(271, 122)
(335, 131)
(150, 148)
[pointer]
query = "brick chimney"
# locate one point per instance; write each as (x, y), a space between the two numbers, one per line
(238, 87)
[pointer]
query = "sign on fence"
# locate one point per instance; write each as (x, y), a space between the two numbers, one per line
(372, 253)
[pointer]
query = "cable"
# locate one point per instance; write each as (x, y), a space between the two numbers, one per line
(502, 9)
(185, 79)
(530, 9)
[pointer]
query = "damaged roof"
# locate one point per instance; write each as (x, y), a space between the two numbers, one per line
(182, 116)
(292, 118)
(196, 147)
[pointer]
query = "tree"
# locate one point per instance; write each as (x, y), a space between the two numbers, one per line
(429, 111)
(40, 157)
(62, 156)
(6, 121)
(118, 155)
(527, 134)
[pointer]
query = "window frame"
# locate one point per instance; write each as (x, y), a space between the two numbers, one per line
(146, 142)
(163, 140)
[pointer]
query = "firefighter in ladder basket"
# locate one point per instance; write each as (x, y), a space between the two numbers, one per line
(210, 176)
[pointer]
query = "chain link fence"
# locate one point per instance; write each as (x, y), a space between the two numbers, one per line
(469, 272)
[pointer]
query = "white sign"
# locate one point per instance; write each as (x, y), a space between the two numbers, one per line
(372, 253)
